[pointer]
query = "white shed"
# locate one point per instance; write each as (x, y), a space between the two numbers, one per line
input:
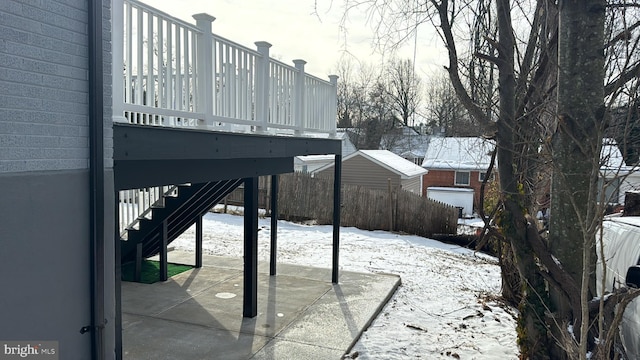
(458, 197)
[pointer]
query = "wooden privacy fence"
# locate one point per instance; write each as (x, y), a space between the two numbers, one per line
(302, 197)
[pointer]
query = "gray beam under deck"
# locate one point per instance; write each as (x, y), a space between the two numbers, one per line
(151, 156)
(137, 142)
(144, 173)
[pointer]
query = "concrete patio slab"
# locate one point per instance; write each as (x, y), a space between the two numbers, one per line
(301, 314)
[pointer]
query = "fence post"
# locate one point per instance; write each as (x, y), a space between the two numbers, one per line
(333, 106)
(299, 104)
(390, 204)
(204, 68)
(262, 86)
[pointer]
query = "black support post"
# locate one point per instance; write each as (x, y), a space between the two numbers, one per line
(199, 242)
(137, 269)
(163, 252)
(337, 181)
(274, 225)
(250, 300)
(118, 280)
(96, 92)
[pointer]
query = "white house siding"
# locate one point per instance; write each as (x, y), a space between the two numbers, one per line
(631, 183)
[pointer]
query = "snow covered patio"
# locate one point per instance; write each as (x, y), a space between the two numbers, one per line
(301, 314)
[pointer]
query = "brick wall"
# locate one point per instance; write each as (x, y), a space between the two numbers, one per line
(44, 99)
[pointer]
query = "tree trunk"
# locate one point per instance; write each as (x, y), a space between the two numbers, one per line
(531, 327)
(576, 143)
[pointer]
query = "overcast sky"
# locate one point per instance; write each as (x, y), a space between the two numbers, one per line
(298, 30)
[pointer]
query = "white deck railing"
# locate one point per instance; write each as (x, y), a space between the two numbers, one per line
(180, 74)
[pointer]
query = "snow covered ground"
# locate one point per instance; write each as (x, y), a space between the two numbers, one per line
(444, 309)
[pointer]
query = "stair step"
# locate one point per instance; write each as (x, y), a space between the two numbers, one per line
(180, 211)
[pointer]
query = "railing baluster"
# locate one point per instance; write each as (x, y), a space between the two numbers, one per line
(193, 96)
(161, 67)
(262, 86)
(150, 89)
(169, 72)
(333, 105)
(128, 59)
(178, 83)
(203, 67)
(187, 72)
(138, 53)
(299, 112)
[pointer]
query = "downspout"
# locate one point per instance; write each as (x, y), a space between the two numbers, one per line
(96, 174)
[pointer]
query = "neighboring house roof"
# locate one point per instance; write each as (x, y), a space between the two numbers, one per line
(417, 154)
(458, 153)
(394, 163)
(405, 144)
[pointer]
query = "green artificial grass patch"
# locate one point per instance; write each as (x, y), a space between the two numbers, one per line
(151, 271)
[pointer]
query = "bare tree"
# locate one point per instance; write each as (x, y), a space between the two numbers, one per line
(381, 115)
(444, 111)
(347, 95)
(403, 88)
(524, 84)
(355, 110)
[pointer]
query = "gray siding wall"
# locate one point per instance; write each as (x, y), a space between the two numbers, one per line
(413, 185)
(45, 260)
(43, 85)
(364, 172)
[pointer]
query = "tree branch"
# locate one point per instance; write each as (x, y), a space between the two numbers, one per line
(633, 72)
(454, 75)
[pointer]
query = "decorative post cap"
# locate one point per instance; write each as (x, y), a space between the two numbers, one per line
(203, 21)
(203, 16)
(262, 44)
